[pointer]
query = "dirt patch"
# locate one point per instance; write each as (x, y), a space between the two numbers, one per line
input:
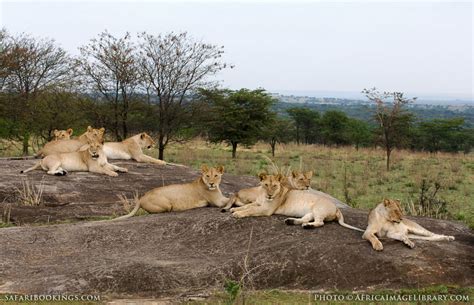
(189, 252)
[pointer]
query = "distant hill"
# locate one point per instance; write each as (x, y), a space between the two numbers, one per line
(363, 109)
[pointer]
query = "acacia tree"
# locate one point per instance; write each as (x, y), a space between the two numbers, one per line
(306, 124)
(237, 117)
(110, 67)
(277, 130)
(174, 66)
(391, 116)
(29, 67)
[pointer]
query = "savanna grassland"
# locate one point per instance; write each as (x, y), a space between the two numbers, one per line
(357, 177)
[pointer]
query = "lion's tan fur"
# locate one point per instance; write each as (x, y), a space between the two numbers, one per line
(386, 220)
(312, 209)
(89, 158)
(132, 148)
(201, 192)
(64, 146)
(295, 181)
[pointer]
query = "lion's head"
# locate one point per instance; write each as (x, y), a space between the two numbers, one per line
(94, 149)
(212, 176)
(393, 209)
(271, 185)
(301, 181)
(145, 141)
(95, 135)
(62, 134)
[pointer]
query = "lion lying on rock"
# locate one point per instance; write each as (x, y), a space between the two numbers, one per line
(311, 209)
(201, 192)
(64, 146)
(296, 181)
(387, 220)
(131, 148)
(89, 158)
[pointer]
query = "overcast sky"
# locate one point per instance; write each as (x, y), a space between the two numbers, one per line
(424, 48)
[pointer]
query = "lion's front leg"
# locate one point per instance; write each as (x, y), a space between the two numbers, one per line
(102, 170)
(374, 241)
(113, 167)
(147, 159)
(252, 210)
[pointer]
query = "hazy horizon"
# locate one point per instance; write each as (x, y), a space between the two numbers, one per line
(423, 49)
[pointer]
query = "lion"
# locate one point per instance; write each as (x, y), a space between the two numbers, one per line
(311, 209)
(62, 134)
(89, 158)
(201, 192)
(64, 146)
(296, 181)
(387, 220)
(131, 148)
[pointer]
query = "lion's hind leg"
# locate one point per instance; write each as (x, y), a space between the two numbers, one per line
(298, 221)
(434, 237)
(56, 169)
(416, 229)
(316, 223)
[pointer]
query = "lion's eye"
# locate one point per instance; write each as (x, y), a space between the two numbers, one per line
(301, 179)
(266, 184)
(207, 176)
(215, 176)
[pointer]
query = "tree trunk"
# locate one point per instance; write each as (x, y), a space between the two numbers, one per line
(26, 144)
(234, 149)
(273, 144)
(297, 135)
(389, 152)
(124, 128)
(161, 147)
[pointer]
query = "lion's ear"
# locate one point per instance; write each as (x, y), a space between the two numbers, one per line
(204, 168)
(280, 177)
(69, 131)
(84, 147)
(89, 128)
(220, 169)
(102, 130)
(386, 202)
(56, 132)
(308, 175)
(262, 176)
(294, 173)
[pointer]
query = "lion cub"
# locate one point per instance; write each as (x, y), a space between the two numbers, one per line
(296, 181)
(201, 192)
(387, 220)
(89, 158)
(62, 134)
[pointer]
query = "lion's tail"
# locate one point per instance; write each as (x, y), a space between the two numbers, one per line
(36, 166)
(132, 213)
(340, 219)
